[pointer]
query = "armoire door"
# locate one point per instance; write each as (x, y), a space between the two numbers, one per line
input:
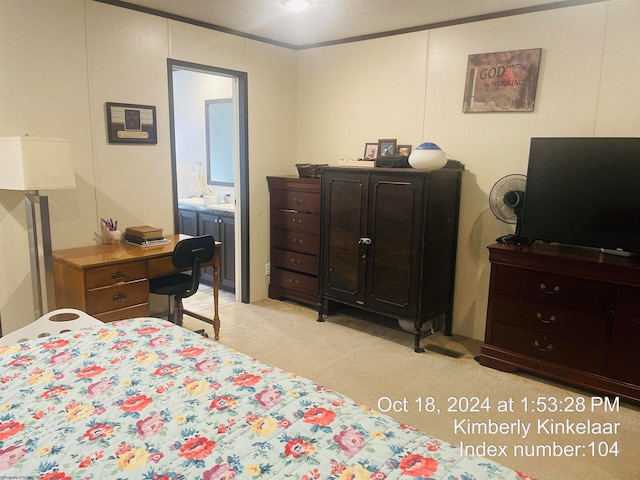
(345, 242)
(393, 257)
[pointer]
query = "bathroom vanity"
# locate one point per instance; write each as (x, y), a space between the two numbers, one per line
(197, 218)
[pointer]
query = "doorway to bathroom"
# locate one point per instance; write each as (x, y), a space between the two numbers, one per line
(208, 131)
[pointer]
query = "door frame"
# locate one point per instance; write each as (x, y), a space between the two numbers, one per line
(242, 181)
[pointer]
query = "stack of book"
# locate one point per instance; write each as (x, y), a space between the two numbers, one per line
(144, 235)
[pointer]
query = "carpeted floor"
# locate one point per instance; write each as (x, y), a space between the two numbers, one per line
(371, 360)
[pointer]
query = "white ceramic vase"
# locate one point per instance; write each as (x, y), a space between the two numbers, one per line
(427, 156)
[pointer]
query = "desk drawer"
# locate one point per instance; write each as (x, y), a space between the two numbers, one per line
(115, 297)
(160, 267)
(136, 311)
(114, 274)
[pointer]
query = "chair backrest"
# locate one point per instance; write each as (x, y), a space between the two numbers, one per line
(193, 252)
(52, 323)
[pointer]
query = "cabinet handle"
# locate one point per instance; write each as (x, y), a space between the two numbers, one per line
(293, 282)
(297, 201)
(119, 275)
(365, 241)
(295, 262)
(552, 318)
(548, 348)
(118, 297)
(555, 289)
(297, 241)
(297, 221)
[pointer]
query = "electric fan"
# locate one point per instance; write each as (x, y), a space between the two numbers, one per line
(506, 200)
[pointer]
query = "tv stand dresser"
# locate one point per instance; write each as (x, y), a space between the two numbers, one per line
(568, 313)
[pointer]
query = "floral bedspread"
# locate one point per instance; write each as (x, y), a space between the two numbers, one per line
(146, 399)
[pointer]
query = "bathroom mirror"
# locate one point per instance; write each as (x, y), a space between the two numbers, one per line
(220, 141)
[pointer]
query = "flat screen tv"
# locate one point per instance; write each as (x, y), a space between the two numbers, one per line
(584, 191)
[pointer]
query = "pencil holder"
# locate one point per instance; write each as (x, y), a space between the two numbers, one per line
(109, 237)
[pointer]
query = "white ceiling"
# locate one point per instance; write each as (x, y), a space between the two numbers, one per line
(332, 20)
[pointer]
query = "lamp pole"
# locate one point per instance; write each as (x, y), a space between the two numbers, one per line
(39, 204)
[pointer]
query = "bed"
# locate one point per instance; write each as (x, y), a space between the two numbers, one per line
(143, 398)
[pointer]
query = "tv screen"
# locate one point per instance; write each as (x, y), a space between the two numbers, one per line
(584, 191)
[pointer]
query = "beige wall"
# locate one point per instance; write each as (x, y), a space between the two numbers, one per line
(411, 87)
(60, 63)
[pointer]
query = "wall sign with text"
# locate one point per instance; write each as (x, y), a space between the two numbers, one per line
(502, 81)
(128, 123)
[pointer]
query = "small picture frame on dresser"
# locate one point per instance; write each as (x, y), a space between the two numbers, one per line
(370, 151)
(403, 150)
(387, 147)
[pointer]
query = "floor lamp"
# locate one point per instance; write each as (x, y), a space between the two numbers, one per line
(31, 164)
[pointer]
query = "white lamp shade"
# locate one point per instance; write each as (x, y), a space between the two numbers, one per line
(35, 163)
(428, 156)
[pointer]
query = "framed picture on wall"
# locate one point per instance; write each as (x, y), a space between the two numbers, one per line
(129, 123)
(502, 81)
(370, 151)
(386, 147)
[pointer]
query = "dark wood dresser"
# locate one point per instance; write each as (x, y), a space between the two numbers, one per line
(295, 238)
(389, 241)
(569, 313)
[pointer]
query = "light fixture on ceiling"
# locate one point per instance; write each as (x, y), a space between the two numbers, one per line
(297, 5)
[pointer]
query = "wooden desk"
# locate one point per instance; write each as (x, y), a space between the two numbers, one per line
(111, 282)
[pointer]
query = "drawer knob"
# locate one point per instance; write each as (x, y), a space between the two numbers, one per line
(295, 262)
(118, 276)
(555, 289)
(297, 201)
(118, 297)
(297, 221)
(297, 241)
(548, 348)
(293, 282)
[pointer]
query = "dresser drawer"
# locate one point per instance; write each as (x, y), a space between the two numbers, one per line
(299, 262)
(295, 241)
(297, 200)
(628, 301)
(115, 297)
(114, 274)
(623, 366)
(296, 221)
(547, 347)
(298, 282)
(554, 319)
(555, 289)
(625, 333)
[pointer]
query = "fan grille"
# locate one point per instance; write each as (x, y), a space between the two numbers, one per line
(508, 183)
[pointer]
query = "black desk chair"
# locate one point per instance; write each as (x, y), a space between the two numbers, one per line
(190, 252)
